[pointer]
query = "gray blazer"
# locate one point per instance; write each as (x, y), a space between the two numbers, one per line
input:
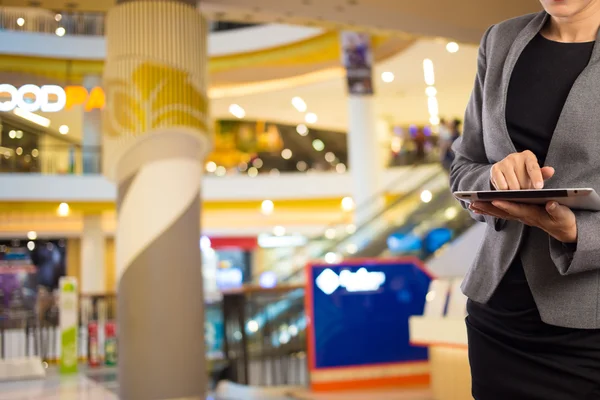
(565, 283)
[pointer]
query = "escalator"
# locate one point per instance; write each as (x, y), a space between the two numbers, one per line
(420, 223)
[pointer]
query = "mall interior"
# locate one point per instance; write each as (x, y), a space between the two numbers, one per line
(299, 240)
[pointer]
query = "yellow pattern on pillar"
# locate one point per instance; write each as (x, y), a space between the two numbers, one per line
(156, 96)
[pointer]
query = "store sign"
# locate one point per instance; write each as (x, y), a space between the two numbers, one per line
(354, 282)
(50, 98)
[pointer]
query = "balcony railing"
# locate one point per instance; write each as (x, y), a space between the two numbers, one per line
(64, 23)
(51, 160)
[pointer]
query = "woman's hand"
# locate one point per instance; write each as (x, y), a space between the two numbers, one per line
(556, 220)
(520, 171)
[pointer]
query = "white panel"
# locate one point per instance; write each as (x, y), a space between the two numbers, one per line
(436, 298)
(457, 304)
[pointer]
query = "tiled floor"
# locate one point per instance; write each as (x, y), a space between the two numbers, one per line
(101, 384)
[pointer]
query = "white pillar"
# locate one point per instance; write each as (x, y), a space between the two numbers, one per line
(364, 156)
(384, 140)
(91, 139)
(93, 248)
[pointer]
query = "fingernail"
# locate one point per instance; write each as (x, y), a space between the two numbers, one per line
(552, 206)
(539, 185)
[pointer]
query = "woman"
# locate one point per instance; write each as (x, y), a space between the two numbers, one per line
(533, 121)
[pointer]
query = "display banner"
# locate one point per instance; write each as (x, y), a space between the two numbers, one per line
(357, 58)
(358, 332)
(67, 304)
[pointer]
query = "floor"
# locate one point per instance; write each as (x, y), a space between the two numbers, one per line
(101, 384)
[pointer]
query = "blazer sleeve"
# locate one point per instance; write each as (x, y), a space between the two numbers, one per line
(470, 170)
(585, 254)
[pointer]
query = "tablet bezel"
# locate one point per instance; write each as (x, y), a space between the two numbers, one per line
(575, 198)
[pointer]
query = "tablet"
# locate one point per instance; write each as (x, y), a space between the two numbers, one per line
(576, 199)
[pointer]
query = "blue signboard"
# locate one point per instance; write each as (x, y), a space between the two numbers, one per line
(360, 312)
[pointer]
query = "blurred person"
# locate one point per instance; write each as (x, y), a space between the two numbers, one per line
(420, 141)
(445, 143)
(532, 122)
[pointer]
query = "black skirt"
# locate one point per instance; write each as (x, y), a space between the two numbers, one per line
(516, 356)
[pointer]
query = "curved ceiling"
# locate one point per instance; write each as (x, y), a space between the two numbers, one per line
(462, 20)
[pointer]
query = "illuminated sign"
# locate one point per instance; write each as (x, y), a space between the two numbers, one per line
(360, 281)
(50, 98)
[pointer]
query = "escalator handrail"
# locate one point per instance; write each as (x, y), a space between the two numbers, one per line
(398, 181)
(369, 221)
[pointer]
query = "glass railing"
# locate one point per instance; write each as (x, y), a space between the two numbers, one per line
(50, 159)
(369, 239)
(63, 23)
(339, 236)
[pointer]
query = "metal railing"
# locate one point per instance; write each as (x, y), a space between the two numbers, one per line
(265, 336)
(64, 23)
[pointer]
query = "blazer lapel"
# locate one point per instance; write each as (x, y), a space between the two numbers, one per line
(522, 40)
(563, 133)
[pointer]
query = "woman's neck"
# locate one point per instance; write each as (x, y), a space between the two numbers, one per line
(581, 27)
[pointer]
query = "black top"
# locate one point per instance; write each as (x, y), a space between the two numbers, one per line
(539, 86)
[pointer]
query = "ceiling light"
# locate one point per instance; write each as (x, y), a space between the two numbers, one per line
(451, 212)
(252, 172)
(237, 111)
(211, 166)
(31, 117)
(258, 163)
(301, 166)
(63, 129)
(63, 210)
(347, 204)
(274, 172)
(350, 229)
(351, 248)
(252, 326)
(19, 151)
(279, 231)
(19, 134)
(329, 157)
(302, 130)
(32, 235)
(332, 258)
(432, 106)
(434, 120)
(12, 134)
(60, 31)
(31, 246)
(286, 154)
(311, 118)
(428, 72)
(35, 153)
(426, 196)
(330, 233)
(57, 17)
(431, 91)
(318, 145)
(21, 21)
(221, 171)
(387, 77)
(267, 207)
(452, 47)
(243, 166)
(340, 168)
(299, 104)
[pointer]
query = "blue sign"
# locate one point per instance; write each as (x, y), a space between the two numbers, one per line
(361, 312)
